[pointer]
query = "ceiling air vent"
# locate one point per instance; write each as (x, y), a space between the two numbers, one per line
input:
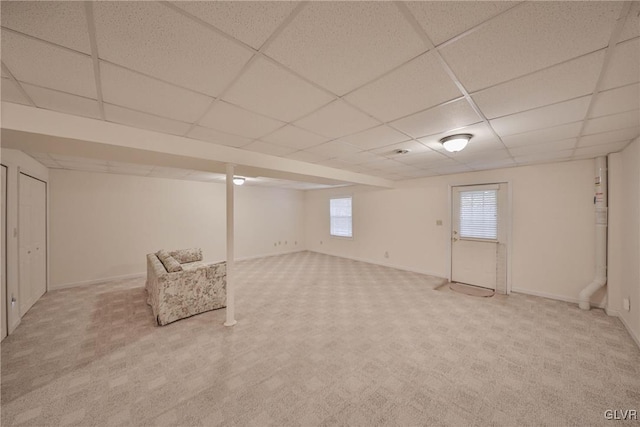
(401, 151)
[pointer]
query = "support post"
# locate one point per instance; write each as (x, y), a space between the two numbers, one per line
(231, 309)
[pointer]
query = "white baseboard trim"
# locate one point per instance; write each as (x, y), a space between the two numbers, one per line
(383, 264)
(552, 296)
(247, 258)
(136, 275)
(96, 281)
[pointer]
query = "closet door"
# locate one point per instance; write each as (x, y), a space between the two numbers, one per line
(32, 228)
(3, 295)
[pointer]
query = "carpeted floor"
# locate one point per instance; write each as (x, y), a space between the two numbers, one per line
(320, 340)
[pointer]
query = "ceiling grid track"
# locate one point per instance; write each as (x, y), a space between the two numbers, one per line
(94, 56)
(425, 37)
(613, 41)
(18, 85)
(256, 55)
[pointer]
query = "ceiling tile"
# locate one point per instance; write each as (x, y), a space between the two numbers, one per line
(336, 120)
(390, 150)
(270, 90)
(305, 156)
(600, 150)
(251, 22)
(11, 93)
(565, 81)
(141, 93)
(491, 164)
(267, 148)
(564, 144)
(313, 44)
(525, 39)
(451, 169)
(360, 158)
(63, 102)
(158, 41)
(417, 85)
(294, 137)
(624, 67)
(544, 157)
(483, 156)
(66, 71)
(419, 173)
(59, 22)
(551, 115)
(334, 149)
(222, 138)
(425, 159)
(631, 27)
(609, 137)
(612, 122)
(376, 137)
(556, 133)
(617, 100)
(438, 119)
(128, 117)
(229, 118)
(442, 20)
(383, 164)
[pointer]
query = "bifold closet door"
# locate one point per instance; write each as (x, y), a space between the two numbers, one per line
(32, 235)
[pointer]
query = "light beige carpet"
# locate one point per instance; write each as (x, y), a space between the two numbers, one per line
(319, 341)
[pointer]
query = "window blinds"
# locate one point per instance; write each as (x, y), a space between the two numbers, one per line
(479, 214)
(340, 213)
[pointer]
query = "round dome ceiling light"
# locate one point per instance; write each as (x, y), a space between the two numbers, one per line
(238, 180)
(455, 143)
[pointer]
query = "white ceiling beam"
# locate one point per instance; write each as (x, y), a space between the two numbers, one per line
(31, 120)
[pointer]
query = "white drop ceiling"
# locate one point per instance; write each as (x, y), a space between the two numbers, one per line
(337, 84)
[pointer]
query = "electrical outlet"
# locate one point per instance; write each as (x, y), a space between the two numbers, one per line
(286, 242)
(295, 243)
(386, 254)
(438, 222)
(320, 241)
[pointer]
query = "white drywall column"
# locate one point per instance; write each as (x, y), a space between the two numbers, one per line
(230, 240)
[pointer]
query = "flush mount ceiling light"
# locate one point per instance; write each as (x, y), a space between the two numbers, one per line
(238, 180)
(456, 143)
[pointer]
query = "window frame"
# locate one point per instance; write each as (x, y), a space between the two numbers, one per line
(335, 236)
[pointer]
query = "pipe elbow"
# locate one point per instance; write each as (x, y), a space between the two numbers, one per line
(585, 295)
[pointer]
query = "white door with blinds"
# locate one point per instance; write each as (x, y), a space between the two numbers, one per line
(478, 254)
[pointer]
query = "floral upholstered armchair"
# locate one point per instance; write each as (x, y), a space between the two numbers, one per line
(180, 285)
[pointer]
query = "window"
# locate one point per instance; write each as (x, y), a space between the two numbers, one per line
(479, 214)
(340, 213)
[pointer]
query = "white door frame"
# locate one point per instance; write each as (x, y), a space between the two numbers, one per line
(508, 225)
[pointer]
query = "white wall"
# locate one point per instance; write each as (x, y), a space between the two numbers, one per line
(16, 162)
(103, 225)
(553, 237)
(624, 236)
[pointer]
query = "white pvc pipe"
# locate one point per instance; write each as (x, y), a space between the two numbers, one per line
(600, 200)
(231, 309)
